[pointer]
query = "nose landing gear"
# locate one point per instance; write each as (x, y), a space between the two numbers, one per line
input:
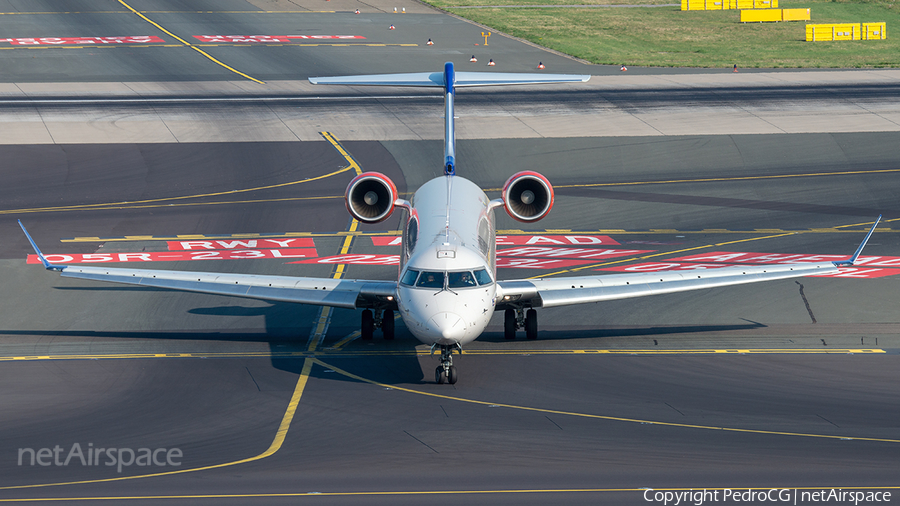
(446, 372)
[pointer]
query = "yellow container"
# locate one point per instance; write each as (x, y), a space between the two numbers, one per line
(839, 31)
(765, 4)
(760, 15)
(874, 31)
(693, 5)
(745, 4)
(795, 14)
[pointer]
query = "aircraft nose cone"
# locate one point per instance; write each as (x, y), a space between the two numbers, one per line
(450, 326)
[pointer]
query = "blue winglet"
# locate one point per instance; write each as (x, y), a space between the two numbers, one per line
(849, 261)
(47, 265)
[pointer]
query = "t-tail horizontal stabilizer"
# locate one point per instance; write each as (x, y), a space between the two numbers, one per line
(849, 261)
(40, 255)
(449, 79)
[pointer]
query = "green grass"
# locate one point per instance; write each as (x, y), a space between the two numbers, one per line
(669, 37)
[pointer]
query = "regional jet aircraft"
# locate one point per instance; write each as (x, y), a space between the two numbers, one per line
(447, 287)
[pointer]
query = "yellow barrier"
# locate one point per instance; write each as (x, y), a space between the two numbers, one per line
(715, 5)
(795, 14)
(840, 31)
(760, 15)
(874, 31)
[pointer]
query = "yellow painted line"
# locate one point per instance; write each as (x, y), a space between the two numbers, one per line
(164, 12)
(126, 204)
(397, 232)
(325, 311)
(186, 43)
(382, 493)
(598, 417)
(280, 435)
(336, 351)
(350, 337)
(718, 179)
(334, 141)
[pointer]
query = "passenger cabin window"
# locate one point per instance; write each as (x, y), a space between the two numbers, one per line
(409, 277)
(460, 279)
(431, 279)
(483, 277)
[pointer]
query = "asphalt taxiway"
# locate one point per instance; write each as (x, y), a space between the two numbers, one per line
(778, 385)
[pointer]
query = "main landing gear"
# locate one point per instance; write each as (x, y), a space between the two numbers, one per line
(514, 319)
(380, 319)
(446, 372)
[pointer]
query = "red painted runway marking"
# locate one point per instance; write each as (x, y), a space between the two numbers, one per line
(517, 263)
(354, 259)
(786, 258)
(262, 39)
(80, 41)
(538, 263)
(578, 253)
(298, 242)
(522, 240)
(246, 254)
(845, 272)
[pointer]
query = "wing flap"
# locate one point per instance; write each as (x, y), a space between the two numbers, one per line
(586, 289)
(315, 291)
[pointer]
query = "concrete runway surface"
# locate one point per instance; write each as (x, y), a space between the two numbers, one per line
(782, 385)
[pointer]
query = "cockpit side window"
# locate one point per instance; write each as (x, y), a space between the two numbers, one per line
(409, 277)
(460, 279)
(483, 277)
(431, 279)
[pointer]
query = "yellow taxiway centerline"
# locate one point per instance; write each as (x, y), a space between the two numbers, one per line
(188, 44)
(280, 435)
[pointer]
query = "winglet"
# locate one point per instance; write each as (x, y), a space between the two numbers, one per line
(47, 265)
(849, 261)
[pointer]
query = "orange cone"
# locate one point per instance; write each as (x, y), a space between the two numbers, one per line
(491, 63)
(541, 65)
(392, 27)
(735, 67)
(624, 68)
(429, 43)
(357, 11)
(473, 59)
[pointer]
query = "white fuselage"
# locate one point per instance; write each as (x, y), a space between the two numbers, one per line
(444, 296)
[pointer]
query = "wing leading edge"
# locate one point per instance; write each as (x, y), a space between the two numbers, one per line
(343, 293)
(585, 289)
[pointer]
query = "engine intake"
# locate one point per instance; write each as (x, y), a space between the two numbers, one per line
(370, 197)
(527, 196)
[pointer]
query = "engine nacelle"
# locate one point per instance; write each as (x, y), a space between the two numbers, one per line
(527, 196)
(370, 197)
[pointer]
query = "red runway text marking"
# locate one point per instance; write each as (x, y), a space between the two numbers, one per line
(83, 41)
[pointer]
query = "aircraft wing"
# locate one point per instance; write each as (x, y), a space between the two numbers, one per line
(562, 291)
(551, 292)
(343, 293)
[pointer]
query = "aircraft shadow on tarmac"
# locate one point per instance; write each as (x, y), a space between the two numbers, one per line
(287, 329)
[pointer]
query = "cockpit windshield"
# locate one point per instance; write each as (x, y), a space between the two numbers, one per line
(460, 279)
(454, 279)
(431, 279)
